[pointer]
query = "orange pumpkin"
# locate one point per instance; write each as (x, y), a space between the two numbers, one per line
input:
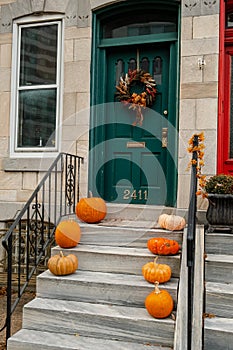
(67, 234)
(153, 272)
(163, 246)
(63, 265)
(159, 303)
(91, 209)
(171, 222)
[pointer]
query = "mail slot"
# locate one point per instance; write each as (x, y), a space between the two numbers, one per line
(132, 144)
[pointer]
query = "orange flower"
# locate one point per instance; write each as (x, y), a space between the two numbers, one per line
(199, 163)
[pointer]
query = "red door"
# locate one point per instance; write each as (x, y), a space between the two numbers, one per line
(225, 120)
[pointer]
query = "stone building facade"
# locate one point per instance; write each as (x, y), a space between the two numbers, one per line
(196, 84)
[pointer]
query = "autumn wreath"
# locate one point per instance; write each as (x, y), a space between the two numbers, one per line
(137, 101)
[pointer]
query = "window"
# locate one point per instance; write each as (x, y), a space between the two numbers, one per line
(138, 23)
(36, 87)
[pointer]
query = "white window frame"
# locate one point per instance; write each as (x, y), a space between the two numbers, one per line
(33, 152)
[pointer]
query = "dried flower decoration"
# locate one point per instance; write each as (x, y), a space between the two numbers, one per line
(199, 149)
(136, 101)
(218, 184)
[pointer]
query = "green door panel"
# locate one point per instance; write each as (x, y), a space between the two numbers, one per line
(131, 164)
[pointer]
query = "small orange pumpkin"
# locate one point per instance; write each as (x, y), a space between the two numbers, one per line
(159, 303)
(63, 265)
(163, 246)
(67, 234)
(91, 209)
(171, 222)
(153, 272)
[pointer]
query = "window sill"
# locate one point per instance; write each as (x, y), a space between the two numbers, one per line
(27, 164)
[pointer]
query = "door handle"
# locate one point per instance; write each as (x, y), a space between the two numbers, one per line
(164, 137)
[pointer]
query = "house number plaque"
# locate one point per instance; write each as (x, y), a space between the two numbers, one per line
(135, 194)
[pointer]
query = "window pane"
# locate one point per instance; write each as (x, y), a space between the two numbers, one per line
(132, 64)
(140, 23)
(119, 70)
(38, 55)
(229, 14)
(157, 70)
(37, 118)
(145, 64)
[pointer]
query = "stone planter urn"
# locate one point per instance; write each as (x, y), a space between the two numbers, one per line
(220, 212)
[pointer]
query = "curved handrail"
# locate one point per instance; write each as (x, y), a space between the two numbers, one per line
(33, 229)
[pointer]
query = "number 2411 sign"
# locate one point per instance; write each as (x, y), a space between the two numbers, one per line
(135, 194)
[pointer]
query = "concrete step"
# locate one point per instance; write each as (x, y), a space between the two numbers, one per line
(219, 268)
(218, 334)
(113, 322)
(99, 287)
(117, 259)
(219, 299)
(129, 234)
(219, 243)
(28, 340)
(140, 212)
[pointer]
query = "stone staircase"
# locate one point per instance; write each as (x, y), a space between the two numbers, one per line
(101, 306)
(218, 325)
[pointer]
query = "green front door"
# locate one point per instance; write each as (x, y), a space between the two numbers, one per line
(136, 164)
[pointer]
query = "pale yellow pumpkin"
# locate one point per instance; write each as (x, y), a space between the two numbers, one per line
(171, 222)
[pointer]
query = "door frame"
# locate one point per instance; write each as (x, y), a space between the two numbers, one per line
(224, 163)
(99, 47)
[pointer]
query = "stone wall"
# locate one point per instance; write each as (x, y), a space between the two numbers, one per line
(198, 89)
(18, 177)
(198, 86)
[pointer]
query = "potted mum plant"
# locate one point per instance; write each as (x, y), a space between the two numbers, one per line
(219, 192)
(218, 189)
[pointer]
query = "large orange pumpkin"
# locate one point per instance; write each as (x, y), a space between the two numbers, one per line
(67, 234)
(159, 303)
(163, 246)
(91, 209)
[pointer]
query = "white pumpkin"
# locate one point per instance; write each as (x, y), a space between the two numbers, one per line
(171, 222)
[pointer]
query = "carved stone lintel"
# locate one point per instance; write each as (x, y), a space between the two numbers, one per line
(200, 7)
(71, 13)
(5, 20)
(84, 13)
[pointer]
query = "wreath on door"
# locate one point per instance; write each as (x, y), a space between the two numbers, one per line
(137, 101)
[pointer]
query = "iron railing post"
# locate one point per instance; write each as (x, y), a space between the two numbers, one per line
(191, 233)
(9, 287)
(37, 213)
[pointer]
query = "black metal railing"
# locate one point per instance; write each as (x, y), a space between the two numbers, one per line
(29, 239)
(191, 235)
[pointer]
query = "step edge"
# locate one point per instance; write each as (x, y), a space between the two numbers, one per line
(69, 306)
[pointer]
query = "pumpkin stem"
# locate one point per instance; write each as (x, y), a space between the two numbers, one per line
(90, 194)
(157, 291)
(155, 260)
(61, 254)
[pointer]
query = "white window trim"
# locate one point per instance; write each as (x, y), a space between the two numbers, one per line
(43, 151)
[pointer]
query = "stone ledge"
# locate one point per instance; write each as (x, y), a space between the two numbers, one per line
(199, 90)
(27, 164)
